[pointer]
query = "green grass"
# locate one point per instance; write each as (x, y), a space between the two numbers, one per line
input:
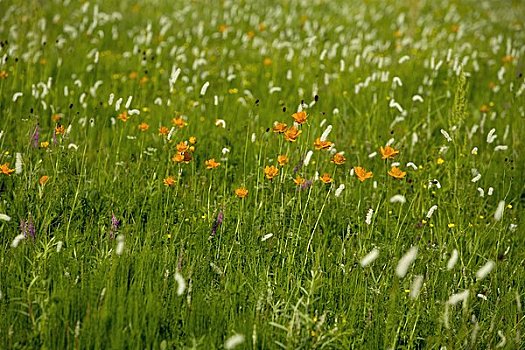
(303, 286)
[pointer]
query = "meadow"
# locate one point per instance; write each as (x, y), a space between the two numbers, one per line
(262, 174)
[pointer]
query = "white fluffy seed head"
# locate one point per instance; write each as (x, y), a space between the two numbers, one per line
(339, 190)
(5, 217)
(499, 211)
(18, 163)
(326, 132)
(181, 283)
(398, 198)
(456, 298)
(417, 283)
(120, 245)
(17, 240)
(233, 341)
(431, 211)
(370, 257)
(404, 263)
(307, 158)
(485, 270)
(369, 214)
(453, 259)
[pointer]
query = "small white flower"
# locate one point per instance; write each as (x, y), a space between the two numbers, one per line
(485, 270)
(18, 163)
(17, 240)
(446, 135)
(499, 211)
(453, 259)
(398, 198)
(181, 283)
(307, 158)
(431, 211)
(339, 190)
(266, 237)
(415, 288)
(120, 245)
(233, 341)
(369, 214)
(5, 217)
(220, 123)
(204, 88)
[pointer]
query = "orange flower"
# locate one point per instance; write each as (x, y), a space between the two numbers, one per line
(169, 181)
(484, 108)
(396, 173)
(143, 126)
(3, 74)
(388, 152)
(133, 75)
(282, 160)
(271, 172)
(338, 159)
(179, 122)
(292, 133)
(56, 117)
(193, 140)
(507, 59)
(59, 130)
(123, 116)
(279, 127)
(241, 192)
(362, 174)
(299, 181)
(223, 28)
(182, 157)
(43, 180)
(182, 146)
(211, 163)
(267, 61)
(326, 178)
(164, 131)
(322, 144)
(4, 169)
(299, 117)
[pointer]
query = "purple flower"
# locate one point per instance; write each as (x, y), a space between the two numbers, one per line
(306, 184)
(36, 136)
(115, 224)
(217, 223)
(27, 227)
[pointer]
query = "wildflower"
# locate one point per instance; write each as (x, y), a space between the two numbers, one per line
(211, 163)
(325, 178)
(218, 221)
(370, 257)
(59, 130)
(179, 122)
(396, 173)
(267, 61)
(404, 263)
(485, 270)
(143, 126)
(451, 225)
(299, 117)
(123, 116)
(321, 144)
(271, 172)
(182, 157)
(115, 225)
(388, 152)
(507, 59)
(499, 211)
(223, 28)
(279, 127)
(338, 159)
(299, 181)
(241, 192)
(43, 180)
(56, 117)
(44, 144)
(440, 161)
(233, 91)
(282, 160)
(3, 74)
(36, 136)
(182, 146)
(453, 259)
(4, 168)
(192, 140)
(164, 131)
(292, 133)
(362, 174)
(339, 190)
(484, 108)
(27, 227)
(169, 181)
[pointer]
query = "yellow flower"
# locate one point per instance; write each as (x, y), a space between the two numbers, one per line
(164, 131)
(43, 180)
(56, 117)
(233, 91)
(451, 225)
(282, 160)
(279, 127)
(440, 161)
(321, 144)
(338, 159)
(267, 61)
(182, 146)
(292, 133)
(223, 28)
(362, 174)
(143, 126)
(396, 173)
(484, 108)
(44, 144)
(241, 192)
(123, 116)
(271, 172)
(300, 117)
(4, 169)
(169, 181)
(325, 178)
(3, 74)
(507, 59)
(179, 122)
(299, 181)
(388, 152)
(211, 163)
(193, 140)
